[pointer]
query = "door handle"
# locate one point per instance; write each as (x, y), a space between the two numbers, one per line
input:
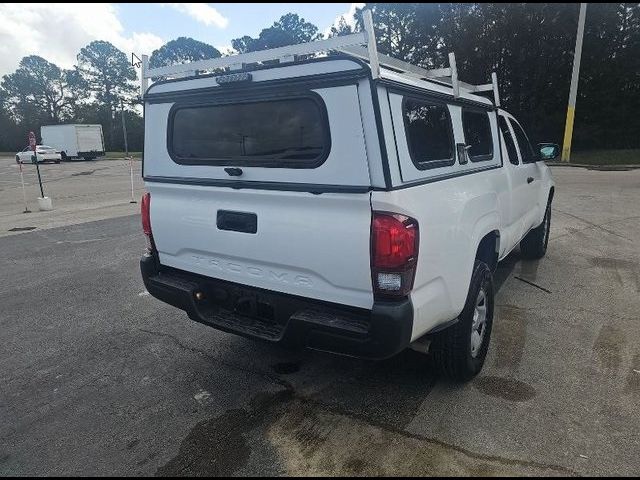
(529, 179)
(233, 172)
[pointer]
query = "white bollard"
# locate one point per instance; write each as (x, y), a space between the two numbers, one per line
(44, 204)
(24, 194)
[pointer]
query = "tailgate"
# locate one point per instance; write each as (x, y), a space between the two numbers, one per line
(315, 246)
(267, 187)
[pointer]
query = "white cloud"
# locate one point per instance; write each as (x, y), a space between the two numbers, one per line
(202, 13)
(348, 17)
(58, 31)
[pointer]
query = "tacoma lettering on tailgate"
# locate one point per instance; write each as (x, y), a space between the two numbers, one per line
(253, 271)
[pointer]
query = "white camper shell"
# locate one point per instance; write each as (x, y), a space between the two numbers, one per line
(74, 141)
(351, 203)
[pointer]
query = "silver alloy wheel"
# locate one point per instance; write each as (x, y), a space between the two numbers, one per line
(479, 325)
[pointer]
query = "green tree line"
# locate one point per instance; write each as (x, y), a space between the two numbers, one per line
(529, 45)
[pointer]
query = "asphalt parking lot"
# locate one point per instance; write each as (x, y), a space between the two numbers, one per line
(80, 191)
(99, 378)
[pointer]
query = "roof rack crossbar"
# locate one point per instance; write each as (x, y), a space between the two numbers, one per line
(360, 45)
(447, 76)
(398, 65)
(260, 56)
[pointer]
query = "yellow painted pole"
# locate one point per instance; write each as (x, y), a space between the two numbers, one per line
(573, 92)
(568, 133)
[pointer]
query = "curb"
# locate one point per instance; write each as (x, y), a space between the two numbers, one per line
(603, 168)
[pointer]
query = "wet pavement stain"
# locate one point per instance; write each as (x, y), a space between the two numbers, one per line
(391, 391)
(529, 269)
(617, 267)
(509, 336)
(505, 269)
(608, 349)
(343, 444)
(505, 388)
(87, 172)
(286, 368)
(633, 377)
(217, 447)
(355, 466)
(132, 444)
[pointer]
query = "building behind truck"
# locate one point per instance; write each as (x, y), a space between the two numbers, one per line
(74, 141)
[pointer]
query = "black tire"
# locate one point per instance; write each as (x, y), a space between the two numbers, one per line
(17, 159)
(534, 244)
(452, 348)
(56, 161)
(63, 156)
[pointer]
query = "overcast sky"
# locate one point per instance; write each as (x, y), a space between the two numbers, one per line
(57, 31)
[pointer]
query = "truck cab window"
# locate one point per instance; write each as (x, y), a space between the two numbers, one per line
(526, 150)
(508, 140)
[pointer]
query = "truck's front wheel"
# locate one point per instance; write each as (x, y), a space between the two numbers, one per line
(459, 351)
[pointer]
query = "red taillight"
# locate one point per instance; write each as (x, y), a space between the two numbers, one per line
(145, 207)
(394, 253)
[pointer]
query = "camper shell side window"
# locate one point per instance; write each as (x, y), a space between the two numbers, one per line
(429, 133)
(477, 134)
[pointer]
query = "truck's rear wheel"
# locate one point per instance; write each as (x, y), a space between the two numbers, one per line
(534, 244)
(459, 351)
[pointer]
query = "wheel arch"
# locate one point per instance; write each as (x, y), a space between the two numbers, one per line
(488, 249)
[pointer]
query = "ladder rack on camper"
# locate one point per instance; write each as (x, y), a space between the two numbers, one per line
(350, 44)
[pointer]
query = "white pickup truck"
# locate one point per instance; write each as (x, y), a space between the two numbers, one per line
(349, 206)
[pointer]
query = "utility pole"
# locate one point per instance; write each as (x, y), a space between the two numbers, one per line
(124, 130)
(573, 92)
(126, 149)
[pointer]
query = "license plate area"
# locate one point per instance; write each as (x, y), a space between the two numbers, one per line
(249, 303)
(262, 313)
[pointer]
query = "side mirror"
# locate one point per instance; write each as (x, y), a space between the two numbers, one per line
(548, 151)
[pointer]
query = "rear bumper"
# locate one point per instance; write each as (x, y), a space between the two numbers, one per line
(379, 333)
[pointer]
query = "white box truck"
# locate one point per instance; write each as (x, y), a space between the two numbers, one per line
(74, 141)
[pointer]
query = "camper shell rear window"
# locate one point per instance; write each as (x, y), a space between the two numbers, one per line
(285, 132)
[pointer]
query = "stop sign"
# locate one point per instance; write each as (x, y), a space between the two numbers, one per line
(32, 141)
